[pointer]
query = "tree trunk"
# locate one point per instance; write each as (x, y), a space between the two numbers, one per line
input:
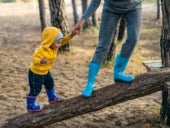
(94, 21)
(121, 30)
(58, 17)
(42, 14)
(165, 57)
(84, 4)
(112, 51)
(165, 37)
(75, 13)
(158, 9)
(144, 84)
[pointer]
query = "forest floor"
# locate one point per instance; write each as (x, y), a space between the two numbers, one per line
(19, 36)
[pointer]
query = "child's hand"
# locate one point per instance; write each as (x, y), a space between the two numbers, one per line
(75, 32)
(44, 60)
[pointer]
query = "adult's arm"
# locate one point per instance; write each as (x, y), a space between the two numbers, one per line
(91, 9)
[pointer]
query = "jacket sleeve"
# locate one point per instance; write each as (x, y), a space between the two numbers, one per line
(66, 39)
(36, 58)
(91, 9)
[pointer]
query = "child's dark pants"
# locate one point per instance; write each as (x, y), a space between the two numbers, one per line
(36, 82)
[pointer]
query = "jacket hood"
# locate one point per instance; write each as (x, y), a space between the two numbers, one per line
(48, 36)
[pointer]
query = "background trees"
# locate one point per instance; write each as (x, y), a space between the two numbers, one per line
(75, 13)
(42, 14)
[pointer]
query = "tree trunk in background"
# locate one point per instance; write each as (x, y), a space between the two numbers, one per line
(112, 51)
(165, 37)
(75, 14)
(121, 30)
(94, 21)
(42, 14)
(165, 56)
(113, 94)
(84, 4)
(58, 17)
(158, 9)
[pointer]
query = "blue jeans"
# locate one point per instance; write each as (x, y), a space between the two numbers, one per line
(36, 82)
(108, 26)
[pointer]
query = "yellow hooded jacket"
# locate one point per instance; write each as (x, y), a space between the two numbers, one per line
(44, 51)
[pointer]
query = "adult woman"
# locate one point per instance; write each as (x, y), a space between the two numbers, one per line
(112, 11)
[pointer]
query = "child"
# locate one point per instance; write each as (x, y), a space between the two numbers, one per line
(42, 61)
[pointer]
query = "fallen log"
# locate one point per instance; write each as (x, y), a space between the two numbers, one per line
(143, 84)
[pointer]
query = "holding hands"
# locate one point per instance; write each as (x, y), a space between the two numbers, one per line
(78, 27)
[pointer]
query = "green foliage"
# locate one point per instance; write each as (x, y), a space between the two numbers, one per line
(7, 1)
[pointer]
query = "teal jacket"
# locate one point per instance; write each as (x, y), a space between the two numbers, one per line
(115, 6)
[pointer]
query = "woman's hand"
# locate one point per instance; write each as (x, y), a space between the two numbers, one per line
(78, 27)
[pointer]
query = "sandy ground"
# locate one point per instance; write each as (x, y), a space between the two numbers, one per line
(20, 34)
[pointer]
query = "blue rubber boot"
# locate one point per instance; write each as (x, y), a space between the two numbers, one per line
(93, 70)
(31, 106)
(120, 65)
(52, 97)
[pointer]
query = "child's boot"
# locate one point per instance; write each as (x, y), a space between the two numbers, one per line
(31, 106)
(120, 65)
(93, 70)
(52, 96)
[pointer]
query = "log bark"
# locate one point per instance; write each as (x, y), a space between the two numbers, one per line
(143, 84)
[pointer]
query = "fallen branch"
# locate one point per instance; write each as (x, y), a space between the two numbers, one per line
(110, 95)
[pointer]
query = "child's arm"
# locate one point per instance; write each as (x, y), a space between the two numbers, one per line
(66, 39)
(36, 59)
